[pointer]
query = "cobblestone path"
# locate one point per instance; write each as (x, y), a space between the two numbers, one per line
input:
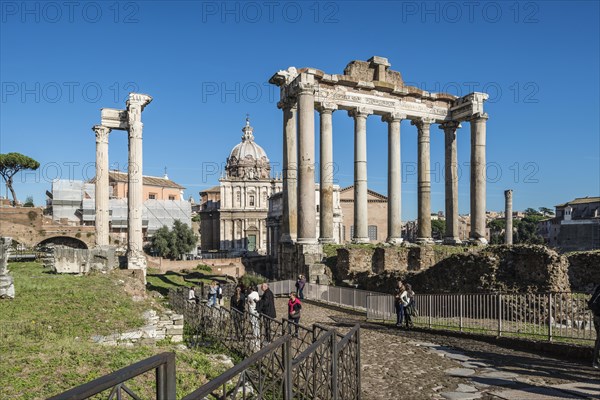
(399, 364)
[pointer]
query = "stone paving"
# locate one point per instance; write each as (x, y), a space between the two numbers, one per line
(398, 364)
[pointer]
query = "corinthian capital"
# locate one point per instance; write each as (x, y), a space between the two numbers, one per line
(360, 112)
(101, 133)
(481, 115)
(138, 99)
(422, 123)
(326, 107)
(450, 126)
(393, 117)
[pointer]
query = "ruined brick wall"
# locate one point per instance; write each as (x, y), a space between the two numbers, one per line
(584, 270)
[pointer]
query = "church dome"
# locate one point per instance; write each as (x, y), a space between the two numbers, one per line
(247, 159)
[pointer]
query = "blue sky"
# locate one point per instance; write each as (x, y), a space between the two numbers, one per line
(207, 63)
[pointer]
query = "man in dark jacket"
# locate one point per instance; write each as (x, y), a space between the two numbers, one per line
(595, 307)
(266, 306)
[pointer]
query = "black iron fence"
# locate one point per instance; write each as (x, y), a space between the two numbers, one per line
(283, 360)
(163, 365)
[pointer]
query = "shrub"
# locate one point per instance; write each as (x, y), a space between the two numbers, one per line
(204, 267)
(252, 279)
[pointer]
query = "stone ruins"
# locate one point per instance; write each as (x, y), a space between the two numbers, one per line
(372, 88)
(7, 287)
(129, 120)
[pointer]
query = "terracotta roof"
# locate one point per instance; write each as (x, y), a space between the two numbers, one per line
(581, 200)
(214, 189)
(369, 191)
(117, 176)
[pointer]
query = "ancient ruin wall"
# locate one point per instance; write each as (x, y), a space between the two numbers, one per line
(584, 270)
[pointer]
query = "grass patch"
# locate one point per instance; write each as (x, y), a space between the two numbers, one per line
(45, 335)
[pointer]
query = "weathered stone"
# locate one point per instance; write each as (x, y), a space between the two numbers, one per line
(7, 287)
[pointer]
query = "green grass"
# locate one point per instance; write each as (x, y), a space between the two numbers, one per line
(162, 282)
(45, 335)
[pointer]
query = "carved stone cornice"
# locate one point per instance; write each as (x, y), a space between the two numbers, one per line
(101, 133)
(394, 117)
(360, 112)
(305, 88)
(289, 103)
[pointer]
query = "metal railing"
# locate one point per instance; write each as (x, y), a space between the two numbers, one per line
(548, 316)
(283, 360)
(163, 364)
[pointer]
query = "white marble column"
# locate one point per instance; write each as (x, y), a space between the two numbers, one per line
(326, 174)
(508, 214)
(290, 171)
(102, 219)
(478, 226)
(451, 182)
(306, 163)
(135, 201)
(394, 179)
(424, 181)
(361, 232)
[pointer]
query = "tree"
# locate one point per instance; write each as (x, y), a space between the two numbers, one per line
(527, 228)
(11, 164)
(29, 202)
(546, 211)
(438, 228)
(497, 227)
(173, 243)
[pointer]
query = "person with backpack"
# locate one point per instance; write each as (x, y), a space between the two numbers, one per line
(212, 294)
(408, 298)
(219, 294)
(594, 305)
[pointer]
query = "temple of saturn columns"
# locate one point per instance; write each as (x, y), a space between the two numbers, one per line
(129, 120)
(371, 88)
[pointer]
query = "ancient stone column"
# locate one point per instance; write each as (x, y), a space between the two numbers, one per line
(290, 171)
(478, 125)
(7, 287)
(135, 201)
(424, 181)
(361, 232)
(101, 186)
(451, 182)
(326, 174)
(394, 178)
(508, 214)
(306, 163)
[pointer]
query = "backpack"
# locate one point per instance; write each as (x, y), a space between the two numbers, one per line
(594, 302)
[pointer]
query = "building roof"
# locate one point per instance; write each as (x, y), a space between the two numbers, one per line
(118, 176)
(214, 189)
(580, 200)
(369, 191)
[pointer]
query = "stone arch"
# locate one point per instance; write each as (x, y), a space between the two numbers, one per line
(68, 241)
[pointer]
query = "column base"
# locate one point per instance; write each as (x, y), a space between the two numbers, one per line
(426, 240)
(360, 240)
(326, 240)
(452, 240)
(394, 240)
(307, 241)
(480, 241)
(136, 261)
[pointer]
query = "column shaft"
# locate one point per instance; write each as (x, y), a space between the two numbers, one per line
(290, 170)
(326, 176)
(361, 232)
(478, 228)
(394, 221)
(424, 182)
(451, 183)
(307, 233)
(102, 219)
(508, 214)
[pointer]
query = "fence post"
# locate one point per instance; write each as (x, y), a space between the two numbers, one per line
(358, 364)
(287, 370)
(460, 312)
(499, 296)
(165, 379)
(334, 366)
(550, 316)
(429, 297)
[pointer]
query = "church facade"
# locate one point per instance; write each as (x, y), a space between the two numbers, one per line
(233, 215)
